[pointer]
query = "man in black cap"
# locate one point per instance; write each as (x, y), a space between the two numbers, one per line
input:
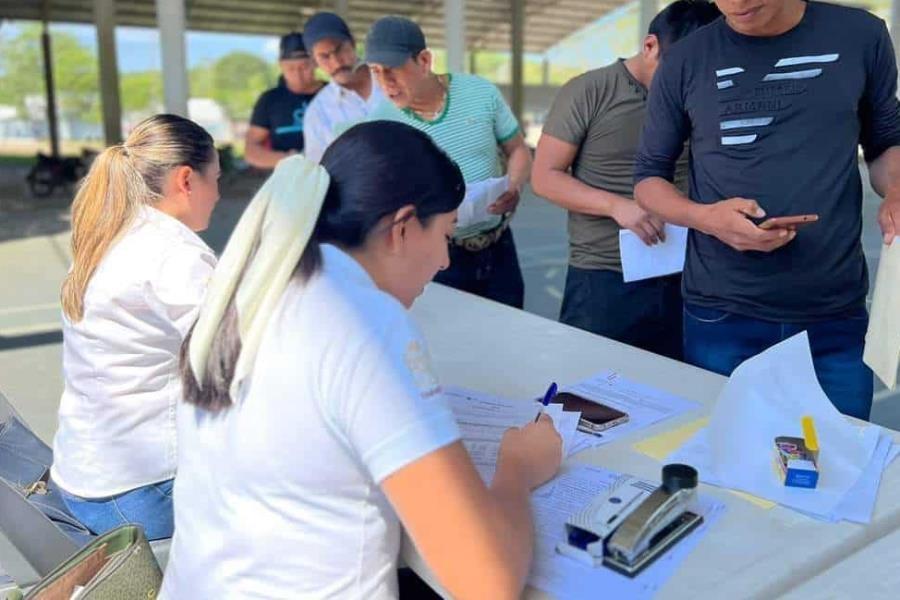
(468, 118)
(276, 127)
(349, 96)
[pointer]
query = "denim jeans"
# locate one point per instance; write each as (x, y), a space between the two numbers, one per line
(149, 506)
(492, 273)
(25, 459)
(645, 314)
(719, 341)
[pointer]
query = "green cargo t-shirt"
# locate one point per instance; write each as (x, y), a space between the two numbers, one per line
(602, 112)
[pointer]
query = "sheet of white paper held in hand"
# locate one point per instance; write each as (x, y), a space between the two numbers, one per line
(640, 261)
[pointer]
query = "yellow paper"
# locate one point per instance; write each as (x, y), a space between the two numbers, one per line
(661, 446)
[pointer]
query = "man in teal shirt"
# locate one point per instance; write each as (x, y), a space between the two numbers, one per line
(469, 119)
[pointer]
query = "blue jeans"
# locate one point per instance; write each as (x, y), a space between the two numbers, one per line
(492, 273)
(645, 314)
(719, 341)
(149, 506)
(25, 459)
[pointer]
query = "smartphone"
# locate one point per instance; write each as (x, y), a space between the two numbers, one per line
(595, 416)
(788, 222)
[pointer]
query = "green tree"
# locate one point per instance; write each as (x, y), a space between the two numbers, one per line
(238, 79)
(74, 69)
(141, 91)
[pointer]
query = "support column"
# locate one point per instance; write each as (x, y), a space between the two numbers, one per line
(648, 9)
(473, 61)
(105, 20)
(49, 85)
(518, 52)
(342, 7)
(171, 18)
(455, 34)
(545, 72)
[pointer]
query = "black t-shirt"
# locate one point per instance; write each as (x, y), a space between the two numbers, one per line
(779, 120)
(281, 112)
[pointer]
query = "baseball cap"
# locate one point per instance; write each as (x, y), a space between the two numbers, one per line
(325, 25)
(393, 40)
(291, 46)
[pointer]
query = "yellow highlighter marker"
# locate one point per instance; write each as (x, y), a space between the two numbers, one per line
(810, 437)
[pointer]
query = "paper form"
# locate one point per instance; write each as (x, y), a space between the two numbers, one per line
(640, 261)
(564, 577)
(483, 419)
(882, 351)
(645, 406)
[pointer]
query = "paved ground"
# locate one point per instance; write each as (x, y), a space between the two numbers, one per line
(34, 257)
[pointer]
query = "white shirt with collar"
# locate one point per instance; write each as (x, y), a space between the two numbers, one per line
(120, 361)
(334, 110)
(279, 495)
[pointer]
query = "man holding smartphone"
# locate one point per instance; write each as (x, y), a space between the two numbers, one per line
(775, 99)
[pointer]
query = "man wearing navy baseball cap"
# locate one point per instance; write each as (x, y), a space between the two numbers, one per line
(350, 95)
(276, 126)
(467, 117)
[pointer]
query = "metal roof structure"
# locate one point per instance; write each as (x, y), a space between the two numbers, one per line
(488, 22)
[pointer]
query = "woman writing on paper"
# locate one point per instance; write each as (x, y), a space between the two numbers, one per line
(313, 425)
(139, 272)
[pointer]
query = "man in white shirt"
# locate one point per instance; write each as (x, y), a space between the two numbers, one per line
(349, 96)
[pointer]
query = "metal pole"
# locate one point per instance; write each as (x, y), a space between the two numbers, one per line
(545, 71)
(49, 85)
(518, 51)
(648, 9)
(455, 28)
(171, 18)
(105, 20)
(342, 7)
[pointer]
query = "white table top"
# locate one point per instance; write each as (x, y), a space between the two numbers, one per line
(749, 552)
(869, 573)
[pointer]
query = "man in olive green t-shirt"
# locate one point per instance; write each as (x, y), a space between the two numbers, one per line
(594, 128)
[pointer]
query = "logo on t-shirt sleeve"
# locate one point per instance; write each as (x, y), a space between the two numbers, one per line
(419, 364)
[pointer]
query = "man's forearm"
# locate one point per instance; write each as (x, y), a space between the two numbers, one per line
(884, 172)
(560, 188)
(519, 167)
(659, 197)
(262, 157)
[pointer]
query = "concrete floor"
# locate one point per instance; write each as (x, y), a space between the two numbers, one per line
(34, 257)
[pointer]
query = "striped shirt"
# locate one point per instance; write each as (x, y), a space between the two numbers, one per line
(332, 108)
(475, 122)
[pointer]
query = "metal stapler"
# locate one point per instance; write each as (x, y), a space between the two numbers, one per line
(633, 523)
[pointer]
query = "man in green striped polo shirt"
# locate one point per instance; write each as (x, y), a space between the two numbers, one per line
(467, 117)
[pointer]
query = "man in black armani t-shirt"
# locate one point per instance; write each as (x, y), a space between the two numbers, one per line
(776, 98)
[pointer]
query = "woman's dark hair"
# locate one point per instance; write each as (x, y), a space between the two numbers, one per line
(681, 18)
(376, 168)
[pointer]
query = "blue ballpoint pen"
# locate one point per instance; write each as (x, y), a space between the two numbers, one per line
(551, 393)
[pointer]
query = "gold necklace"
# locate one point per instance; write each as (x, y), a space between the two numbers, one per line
(430, 115)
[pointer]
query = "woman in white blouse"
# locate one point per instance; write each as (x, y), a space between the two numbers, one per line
(138, 275)
(313, 424)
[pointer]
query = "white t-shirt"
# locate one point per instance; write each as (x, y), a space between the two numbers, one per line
(334, 110)
(120, 361)
(278, 496)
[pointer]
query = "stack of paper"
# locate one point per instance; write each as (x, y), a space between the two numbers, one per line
(766, 397)
(483, 419)
(564, 577)
(645, 406)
